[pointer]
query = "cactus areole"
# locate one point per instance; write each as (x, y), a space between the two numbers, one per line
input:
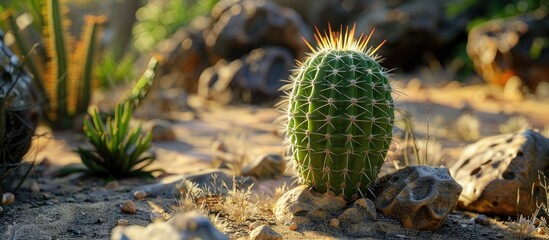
(340, 115)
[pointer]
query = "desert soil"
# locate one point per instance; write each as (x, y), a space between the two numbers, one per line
(83, 207)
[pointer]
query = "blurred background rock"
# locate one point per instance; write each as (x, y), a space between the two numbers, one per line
(235, 51)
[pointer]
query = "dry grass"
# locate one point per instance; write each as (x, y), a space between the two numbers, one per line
(525, 227)
(467, 127)
(514, 124)
(237, 204)
(266, 203)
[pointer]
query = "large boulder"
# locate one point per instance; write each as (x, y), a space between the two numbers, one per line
(501, 174)
(505, 48)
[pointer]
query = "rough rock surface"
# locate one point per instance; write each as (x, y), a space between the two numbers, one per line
(495, 169)
(241, 26)
(265, 166)
(264, 233)
(182, 226)
(254, 78)
(298, 201)
(503, 48)
(421, 197)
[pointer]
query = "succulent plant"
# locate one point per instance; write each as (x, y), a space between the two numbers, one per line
(340, 114)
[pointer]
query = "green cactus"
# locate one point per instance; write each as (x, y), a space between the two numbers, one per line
(340, 115)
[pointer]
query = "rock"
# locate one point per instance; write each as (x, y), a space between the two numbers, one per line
(240, 26)
(367, 207)
(183, 57)
(411, 28)
(264, 233)
(495, 169)
(293, 226)
(35, 187)
(7, 198)
(320, 13)
(255, 77)
(505, 48)
(420, 197)
(317, 215)
(1, 210)
(182, 226)
(122, 222)
(139, 195)
(334, 222)
(112, 185)
(350, 216)
(128, 207)
(195, 226)
(161, 130)
(265, 166)
(298, 201)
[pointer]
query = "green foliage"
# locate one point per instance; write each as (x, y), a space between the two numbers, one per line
(67, 78)
(111, 72)
(118, 150)
(161, 18)
(340, 116)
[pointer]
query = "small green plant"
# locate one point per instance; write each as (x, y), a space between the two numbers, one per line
(161, 18)
(514, 124)
(118, 150)
(340, 115)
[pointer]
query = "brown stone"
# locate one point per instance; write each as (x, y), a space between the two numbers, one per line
(505, 48)
(494, 170)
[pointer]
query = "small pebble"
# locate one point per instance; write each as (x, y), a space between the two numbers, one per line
(35, 187)
(8, 198)
(1, 210)
(128, 207)
(334, 223)
(293, 226)
(122, 222)
(500, 235)
(540, 230)
(112, 185)
(100, 220)
(139, 194)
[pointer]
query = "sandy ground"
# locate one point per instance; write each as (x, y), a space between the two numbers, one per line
(76, 207)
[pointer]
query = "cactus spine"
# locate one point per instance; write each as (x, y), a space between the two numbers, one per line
(340, 114)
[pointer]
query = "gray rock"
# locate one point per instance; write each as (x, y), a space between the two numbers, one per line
(495, 169)
(367, 207)
(182, 226)
(350, 216)
(254, 77)
(264, 233)
(265, 166)
(421, 197)
(240, 26)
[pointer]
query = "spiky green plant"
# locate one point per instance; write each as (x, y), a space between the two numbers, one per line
(340, 114)
(67, 78)
(118, 150)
